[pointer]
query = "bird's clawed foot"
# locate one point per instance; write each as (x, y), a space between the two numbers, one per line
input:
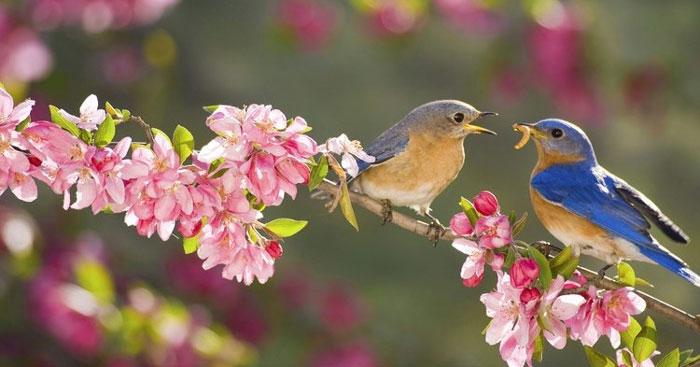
(435, 230)
(387, 212)
(601, 272)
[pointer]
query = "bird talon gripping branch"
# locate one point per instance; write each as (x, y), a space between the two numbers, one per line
(387, 212)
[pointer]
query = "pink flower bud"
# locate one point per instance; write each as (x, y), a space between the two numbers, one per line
(473, 281)
(529, 294)
(523, 273)
(274, 249)
(460, 225)
(486, 203)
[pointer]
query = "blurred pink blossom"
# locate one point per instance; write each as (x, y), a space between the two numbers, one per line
(340, 309)
(471, 16)
(310, 22)
(355, 354)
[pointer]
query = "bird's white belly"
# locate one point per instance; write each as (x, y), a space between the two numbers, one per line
(418, 198)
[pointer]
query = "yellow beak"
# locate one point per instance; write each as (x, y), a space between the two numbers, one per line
(474, 129)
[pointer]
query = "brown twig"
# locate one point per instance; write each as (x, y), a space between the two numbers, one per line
(146, 127)
(411, 224)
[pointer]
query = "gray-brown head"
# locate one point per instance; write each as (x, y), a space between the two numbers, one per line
(446, 118)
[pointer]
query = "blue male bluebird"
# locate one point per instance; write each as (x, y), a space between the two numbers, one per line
(586, 207)
(417, 158)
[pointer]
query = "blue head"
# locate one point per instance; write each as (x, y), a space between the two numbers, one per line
(558, 141)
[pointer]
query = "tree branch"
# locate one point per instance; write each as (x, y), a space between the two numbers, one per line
(146, 127)
(411, 224)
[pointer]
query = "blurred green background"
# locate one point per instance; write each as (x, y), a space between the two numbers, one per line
(624, 70)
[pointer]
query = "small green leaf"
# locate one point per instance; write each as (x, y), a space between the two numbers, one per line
(687, 358)
(190, 244)
(318, 172)
(64, 123)
(561, 258)
(210, 108)
(23, 125)
(628, 335)
(569, 268)
(219, 173)
(625, 274)
(285, 227)
(510, 257)
(215, 164)
(639, 282)
(672, 359)
(539, 348)
(183, 142)
(596, 359)
(126, 115)
(545, 271)
(469, 210)
(95, 278)
(519, 224)
(346, 205)
(105, 132)
(85, 136)
(112, 111)
(645, 342)
(161, 133)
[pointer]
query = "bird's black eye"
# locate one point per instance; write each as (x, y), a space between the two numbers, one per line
(458, 117)
(557, 133)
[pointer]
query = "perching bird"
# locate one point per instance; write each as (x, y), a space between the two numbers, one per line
(417, 158)
(586, 207)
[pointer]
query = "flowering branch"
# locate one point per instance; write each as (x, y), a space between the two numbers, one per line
(413, 225)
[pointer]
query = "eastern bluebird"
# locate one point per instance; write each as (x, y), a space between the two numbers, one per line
(417, 158)
(586, 207)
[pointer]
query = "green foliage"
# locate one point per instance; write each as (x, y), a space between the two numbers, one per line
(687, 358)
(93, 276)
(596, 359)
(519, 224)
(190, 244)
(625, 274)
(23, 125)
(645, 342)
(285, 227)
(105, 132)
(183, 142)
(210, 108)
(672, 359)
(545, 271)
(469, 210)
(632, 331)
(64, 123)
(161, 133)
(318, 172)
(564, 263)
(346, 205)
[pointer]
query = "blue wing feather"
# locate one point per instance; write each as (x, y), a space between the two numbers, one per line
(386, 146)
(590, 192)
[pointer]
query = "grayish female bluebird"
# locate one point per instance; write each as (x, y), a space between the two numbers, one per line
(586, 207)
(417, 158)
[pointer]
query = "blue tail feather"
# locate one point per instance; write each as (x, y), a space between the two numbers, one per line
(672, 263)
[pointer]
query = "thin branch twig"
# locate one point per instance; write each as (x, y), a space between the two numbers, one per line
(410, 224)
(146, 127)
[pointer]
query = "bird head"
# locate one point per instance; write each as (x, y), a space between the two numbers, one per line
(555, 138)
(448, 118)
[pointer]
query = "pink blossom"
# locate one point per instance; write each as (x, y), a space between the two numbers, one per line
(624, 356)
(486, 203)
(18, 45)
(90, 115)
(261, 178)
(493, 231)
(555, 309)
(471, 16)
(524, 272)
(473, 268)
(11, 115)
(355, 354)
(614, 310)
(340, 309)
(530, 294)
(243, 261)
(460, 225)
(230, 144)
(274, 249)
(342, 145)
(582, 326)
(394, 18)
(310, 22)
(15, 167)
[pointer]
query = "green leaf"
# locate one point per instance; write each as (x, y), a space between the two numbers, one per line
(596, 359)
(562, 258)
(510, 257)
(569, 268)
(285, 227)
(628, 335)
(64, 123)
(210, 108)
(687, 359)
(545, 271)
(639, 282)
(645, 342)
(625, 274)
(215, 164)
(318, 172)
(126, 115)
(95, 278)
(183, 142)
(219, 173)
(161, 133)
(23, 125)
(85, 136)
(519, 224)
(190, 244)
(105, 132)
(469, 210)
(672, 359)
(346, 205)
(111, 110)
(539, 348)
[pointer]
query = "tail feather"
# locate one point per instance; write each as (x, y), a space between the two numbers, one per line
(672, 263)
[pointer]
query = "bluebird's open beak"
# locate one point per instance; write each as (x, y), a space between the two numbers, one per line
(474, 129)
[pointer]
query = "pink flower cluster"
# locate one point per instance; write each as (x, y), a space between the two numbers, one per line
(257, 158)
(522, 309)
(97, 15)
(19, 44)
(310, 22)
